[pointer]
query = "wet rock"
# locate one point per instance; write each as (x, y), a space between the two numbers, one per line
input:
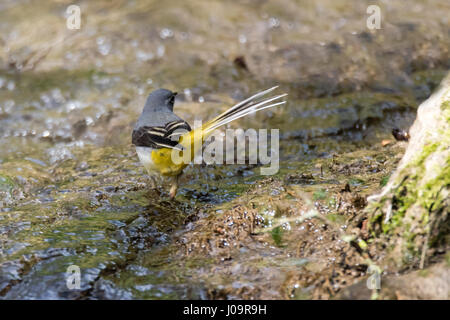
(428, 284)
(11, 273)
(416, 195)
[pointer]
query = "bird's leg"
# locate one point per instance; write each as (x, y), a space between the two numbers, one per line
(174, 187)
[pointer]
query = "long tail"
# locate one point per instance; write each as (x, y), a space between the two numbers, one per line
(250, 105)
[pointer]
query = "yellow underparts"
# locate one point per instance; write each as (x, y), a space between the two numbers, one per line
(162, 161)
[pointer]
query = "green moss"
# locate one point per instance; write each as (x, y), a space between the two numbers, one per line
(362, 244)
(320, 194)
(277, 236)
(445, 107)
(424, 273)
(384, 180)
(6, 183)
(420, 159)
(336, 218)
(408, 194)
(412, 192)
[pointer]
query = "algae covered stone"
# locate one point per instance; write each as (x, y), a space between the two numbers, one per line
(410, 215)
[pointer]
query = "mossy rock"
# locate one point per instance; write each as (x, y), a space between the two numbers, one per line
(410, 216)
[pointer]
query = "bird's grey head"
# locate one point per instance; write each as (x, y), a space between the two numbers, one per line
(160, 100)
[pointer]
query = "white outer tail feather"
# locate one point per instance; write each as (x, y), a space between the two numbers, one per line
(252, 108)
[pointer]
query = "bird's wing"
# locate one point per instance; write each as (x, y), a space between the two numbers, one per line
(158, 137)
(176, 128)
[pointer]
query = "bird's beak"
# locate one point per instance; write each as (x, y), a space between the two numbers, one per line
(175, 93)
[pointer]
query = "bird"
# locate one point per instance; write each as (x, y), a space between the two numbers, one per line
(159, 132)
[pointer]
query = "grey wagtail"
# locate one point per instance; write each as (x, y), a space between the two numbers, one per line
(159, 132)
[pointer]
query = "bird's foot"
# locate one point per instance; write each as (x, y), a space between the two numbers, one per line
(173, 192)
(173, 188)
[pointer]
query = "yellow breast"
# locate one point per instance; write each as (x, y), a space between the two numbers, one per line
(159, 161)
